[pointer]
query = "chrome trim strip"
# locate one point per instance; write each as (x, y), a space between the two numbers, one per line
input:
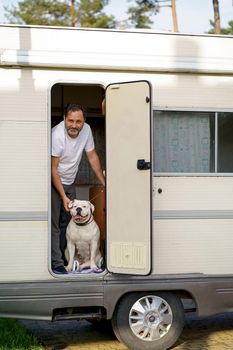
(192, 214)
(23, 216)
(224, 290)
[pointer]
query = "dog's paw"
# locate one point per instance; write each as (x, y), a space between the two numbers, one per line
(69, 268)
(94, 267)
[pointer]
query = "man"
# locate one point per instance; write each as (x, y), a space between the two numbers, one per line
(69, 139)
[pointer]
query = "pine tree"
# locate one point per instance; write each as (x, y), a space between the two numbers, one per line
(61, 13)
(90, 14)
(141, 13)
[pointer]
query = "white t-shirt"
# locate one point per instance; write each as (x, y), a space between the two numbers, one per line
(70, 150)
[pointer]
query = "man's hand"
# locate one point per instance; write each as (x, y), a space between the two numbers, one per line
(66, 202)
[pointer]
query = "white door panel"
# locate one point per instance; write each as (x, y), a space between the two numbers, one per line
(128, 139)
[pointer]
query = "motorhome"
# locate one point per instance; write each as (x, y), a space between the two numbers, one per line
(165, 142)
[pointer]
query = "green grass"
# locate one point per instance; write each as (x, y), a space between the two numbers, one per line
(13, 336)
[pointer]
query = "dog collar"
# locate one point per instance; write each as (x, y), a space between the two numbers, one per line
(85, 223)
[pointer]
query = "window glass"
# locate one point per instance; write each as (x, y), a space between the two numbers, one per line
(225, 142)
(183, 142)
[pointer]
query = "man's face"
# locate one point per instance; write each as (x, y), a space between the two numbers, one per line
(74, 122)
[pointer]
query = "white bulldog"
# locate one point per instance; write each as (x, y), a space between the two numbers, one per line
(83, 236)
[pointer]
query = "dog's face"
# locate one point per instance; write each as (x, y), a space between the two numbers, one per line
(81, 211)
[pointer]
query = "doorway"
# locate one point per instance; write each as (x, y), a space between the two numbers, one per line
(87, 186)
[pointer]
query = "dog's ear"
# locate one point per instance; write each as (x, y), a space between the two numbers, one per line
(70, 205)
(92, 207)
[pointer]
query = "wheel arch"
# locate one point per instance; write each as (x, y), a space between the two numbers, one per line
(187, 299)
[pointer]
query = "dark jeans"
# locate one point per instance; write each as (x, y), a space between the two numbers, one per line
(60, 219)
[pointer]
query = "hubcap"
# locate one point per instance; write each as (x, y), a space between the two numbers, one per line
(150, 318)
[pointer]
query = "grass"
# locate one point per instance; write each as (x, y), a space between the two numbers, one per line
(13, 336)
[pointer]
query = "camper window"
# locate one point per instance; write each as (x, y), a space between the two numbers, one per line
(192, 142)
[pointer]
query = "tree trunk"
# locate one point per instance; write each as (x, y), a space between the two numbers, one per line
(72, 13)
(217, 27)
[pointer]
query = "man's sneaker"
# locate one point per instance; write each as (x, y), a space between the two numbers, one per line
(60, 270)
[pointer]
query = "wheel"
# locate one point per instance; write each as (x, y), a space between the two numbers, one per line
(148, 321)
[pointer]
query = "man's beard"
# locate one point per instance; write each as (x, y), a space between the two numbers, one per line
(73, 132)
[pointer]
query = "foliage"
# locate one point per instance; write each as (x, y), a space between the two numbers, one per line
(13, 336)
(42, 12)
(225, 31)
(141, 13)
(86, 13)
(58, 13)
(89, 14)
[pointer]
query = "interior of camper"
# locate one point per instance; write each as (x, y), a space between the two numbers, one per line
(87, 186)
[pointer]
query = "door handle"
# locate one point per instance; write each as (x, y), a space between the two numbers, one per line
(143, 165)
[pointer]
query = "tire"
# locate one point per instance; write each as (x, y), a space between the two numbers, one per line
(148, 321)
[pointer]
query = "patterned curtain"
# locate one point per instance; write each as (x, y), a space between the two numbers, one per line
(182, 142)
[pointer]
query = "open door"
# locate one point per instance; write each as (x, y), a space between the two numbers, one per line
(128, 165)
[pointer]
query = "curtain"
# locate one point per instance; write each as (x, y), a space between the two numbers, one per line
(182, 142)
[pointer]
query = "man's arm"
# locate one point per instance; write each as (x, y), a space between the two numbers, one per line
(96, 166)
(57, 182)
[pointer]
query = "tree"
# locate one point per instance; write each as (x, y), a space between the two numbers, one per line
(61, 13)
(217, 26)
(225, 31)
(140, 15)
(90, 14)
(229, 30)
(42, 12)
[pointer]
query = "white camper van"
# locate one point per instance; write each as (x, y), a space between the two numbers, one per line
(165, 141)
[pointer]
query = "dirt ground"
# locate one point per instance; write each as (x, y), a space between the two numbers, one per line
(211, 333)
